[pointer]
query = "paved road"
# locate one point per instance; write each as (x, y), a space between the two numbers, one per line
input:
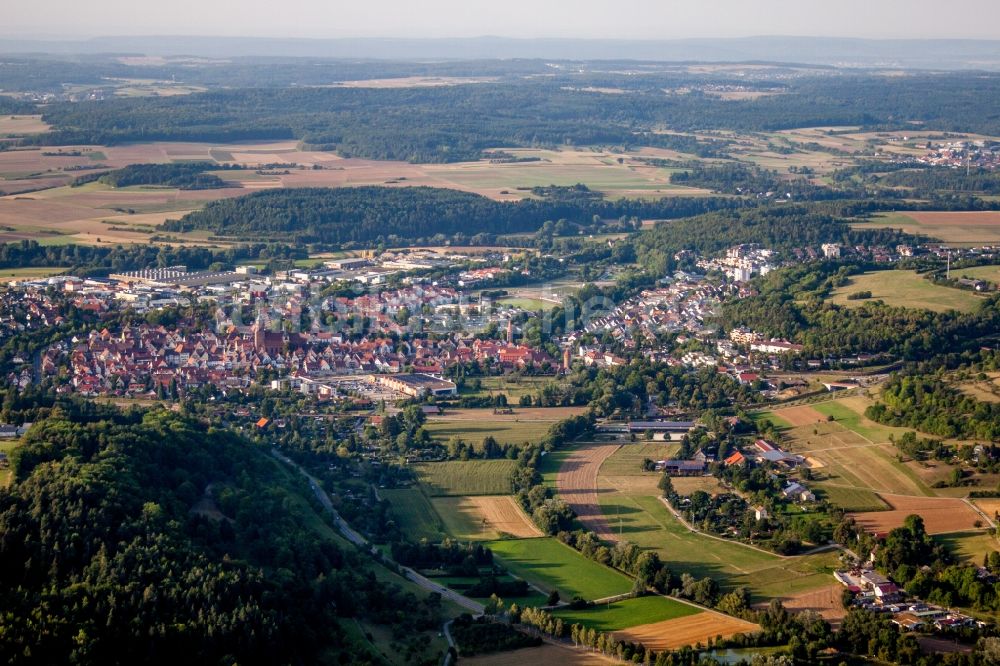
(357, 539)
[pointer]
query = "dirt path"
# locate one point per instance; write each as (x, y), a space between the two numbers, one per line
(577, 485)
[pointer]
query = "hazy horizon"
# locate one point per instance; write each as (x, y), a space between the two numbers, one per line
(529, 19)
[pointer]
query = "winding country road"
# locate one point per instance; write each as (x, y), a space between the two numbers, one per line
(357, 539)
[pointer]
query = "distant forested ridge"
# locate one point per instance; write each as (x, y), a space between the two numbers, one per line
(455, 123)
(105, 559)
(182, 175)
(366, 214)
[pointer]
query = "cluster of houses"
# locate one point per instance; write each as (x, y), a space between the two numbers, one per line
(877, 593)
(139, 359)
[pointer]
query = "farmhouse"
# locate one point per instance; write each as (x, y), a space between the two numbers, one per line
(418, 385)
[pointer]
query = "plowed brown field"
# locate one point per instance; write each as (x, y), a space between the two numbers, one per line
(577, 485)
(941, 514)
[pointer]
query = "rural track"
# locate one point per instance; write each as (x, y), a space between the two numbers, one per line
(576, 484)
(361, 542)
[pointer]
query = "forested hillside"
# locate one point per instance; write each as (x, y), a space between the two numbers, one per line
(455, 123)
(106, 556)
(360, 214)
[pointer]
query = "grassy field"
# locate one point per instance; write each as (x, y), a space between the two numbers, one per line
(906, 289)
(849, 412)
(553, 565)
(415, 514)
(484, 517)
(850, 499)
(772, 417)
(990, 273)
(472, 477)
(970, 547)
(6, 475)
(628, 613)
(645, 521)
(956, 228)
(524, 303)
(474, 432)
(512, 386)
(623, 469)
(549, 466)
(9, 274)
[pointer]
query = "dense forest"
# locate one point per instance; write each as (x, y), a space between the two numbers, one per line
(454, 123)
(106, 559)
(182, 175)
(365, 214)
(791, 304)
(101, 260)
(779, 227)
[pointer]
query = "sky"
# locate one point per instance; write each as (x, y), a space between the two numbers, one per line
(638, 19)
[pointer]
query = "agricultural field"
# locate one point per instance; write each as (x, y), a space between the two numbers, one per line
(552, 565)
(825, 601)
(484, 517)
(628, 613)
(22, 125)
(850, 499)
(33, 273)
(544, 655)
(687, 630)
(989, 273)
(988, 505)
(525, 424)
(906, 289)
(577, 485)
(941, 515)
(415, 514)
(471, 477)
(971, 547)
(512, 386)
(645, 521)
(958, 228)
(849, 412)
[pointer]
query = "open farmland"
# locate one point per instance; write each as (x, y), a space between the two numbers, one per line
(687, 630)
(798, 416)
(576, 484)
(825, 601)
(941, 514)
(906, 289)
(850, 499)
(469, 477)
(971, 547)
(484, 517)
(414, 514)
(544, 655)
(623, 468)
(22, 125)
(628, 613)
(526, 424)
(555, 566)
(645, 521)
(960, 228)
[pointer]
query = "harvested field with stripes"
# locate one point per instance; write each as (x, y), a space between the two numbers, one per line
(576, 484)
(941, 514)
(484, 517)
(689, 630)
